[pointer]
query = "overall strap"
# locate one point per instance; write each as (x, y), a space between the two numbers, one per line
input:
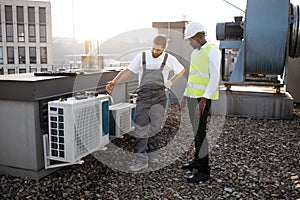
(164, 61)
(144, 60)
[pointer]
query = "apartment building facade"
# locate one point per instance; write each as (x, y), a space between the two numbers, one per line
(25, 36)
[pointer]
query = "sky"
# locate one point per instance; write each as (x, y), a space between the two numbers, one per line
(103, 19)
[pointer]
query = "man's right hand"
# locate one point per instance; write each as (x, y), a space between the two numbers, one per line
(110, 86)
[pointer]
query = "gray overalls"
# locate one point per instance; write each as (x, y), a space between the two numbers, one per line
(150, 110)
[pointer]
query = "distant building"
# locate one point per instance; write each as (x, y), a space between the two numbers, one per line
(25, 36)
(92, 58)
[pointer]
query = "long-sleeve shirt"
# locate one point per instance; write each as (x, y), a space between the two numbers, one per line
(214, 62)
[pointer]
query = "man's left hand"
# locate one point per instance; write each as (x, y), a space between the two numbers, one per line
(168, 84)
(201, 107)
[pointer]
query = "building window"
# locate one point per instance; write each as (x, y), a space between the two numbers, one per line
(21, 34)
(11, 71)
(22, 71)
(9, 24)
(1, 56)
(31, 33)
(32, 70)
(10, 55)
(32, 55)
(42, 21)
(21, 51)
(43, 55)
(43, 37)
(31, 24)
(9, 33)
(20, 24)
(42, 15)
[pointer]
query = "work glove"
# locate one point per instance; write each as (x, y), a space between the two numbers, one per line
(168, 84)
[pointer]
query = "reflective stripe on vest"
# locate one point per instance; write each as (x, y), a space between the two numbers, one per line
(199, 75)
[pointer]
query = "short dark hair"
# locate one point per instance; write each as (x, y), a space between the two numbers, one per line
(161, 40)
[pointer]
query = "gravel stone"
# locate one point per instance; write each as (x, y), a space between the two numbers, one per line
(249, 158)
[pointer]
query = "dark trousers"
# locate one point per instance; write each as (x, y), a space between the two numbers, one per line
(199, 129)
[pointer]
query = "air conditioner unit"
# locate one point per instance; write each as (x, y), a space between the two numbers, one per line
(121, 119)
(77, 127)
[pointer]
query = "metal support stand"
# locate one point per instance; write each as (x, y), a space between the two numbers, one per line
(46, 156)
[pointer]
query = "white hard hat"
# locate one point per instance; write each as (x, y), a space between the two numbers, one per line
(192, 29)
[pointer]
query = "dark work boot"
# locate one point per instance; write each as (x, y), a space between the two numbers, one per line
(198, 177)
(191, 165)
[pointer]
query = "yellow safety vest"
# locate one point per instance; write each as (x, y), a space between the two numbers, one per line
(199, 75)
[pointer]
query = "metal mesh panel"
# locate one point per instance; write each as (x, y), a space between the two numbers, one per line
(125, 122)
(87, 128)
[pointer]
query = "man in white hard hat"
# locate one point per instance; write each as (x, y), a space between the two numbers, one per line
(201, 89)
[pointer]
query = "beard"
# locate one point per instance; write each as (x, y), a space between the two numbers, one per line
(156, 55)
(195, 45)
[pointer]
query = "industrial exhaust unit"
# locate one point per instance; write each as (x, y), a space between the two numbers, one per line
(255, 52)
(264, 40)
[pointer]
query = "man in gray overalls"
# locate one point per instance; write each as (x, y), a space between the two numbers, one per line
(153, 67)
